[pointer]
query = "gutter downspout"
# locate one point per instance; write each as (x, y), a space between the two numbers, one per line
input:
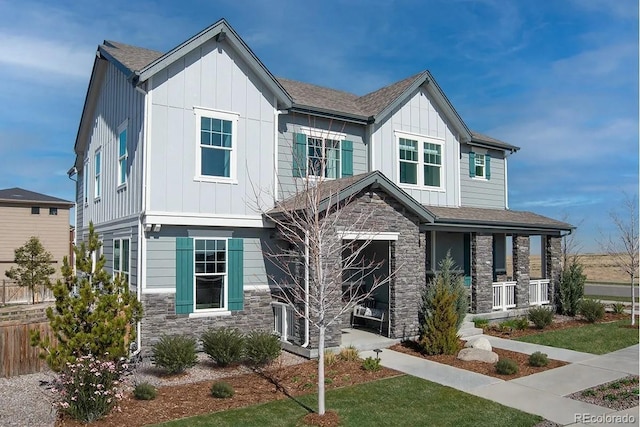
(506, 186)
(306, 290)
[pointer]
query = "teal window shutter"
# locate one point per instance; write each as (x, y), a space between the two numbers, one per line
(299, 155)
(236, 274)
(347, 158)
(487, 166)
(184, 275)
(472, 164)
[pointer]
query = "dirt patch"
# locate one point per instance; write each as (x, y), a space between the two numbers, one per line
(617, 395)
(279, 382)
(411, 348)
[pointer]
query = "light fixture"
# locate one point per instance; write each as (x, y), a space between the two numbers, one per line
(157, 227)
(147, 227)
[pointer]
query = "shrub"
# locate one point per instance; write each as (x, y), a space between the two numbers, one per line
(349, 354)
(371, 364)
(174, 353)
(222, 390)
(481, 323)
(261, 348)
(454, 283)
(224, 346)
(330, 358)
(617, 307)
(521, 323)
(506, 367)
(538, 359)
(592, 310)
(88, 388)
(145, 391)
(540, 316)
(571, 289)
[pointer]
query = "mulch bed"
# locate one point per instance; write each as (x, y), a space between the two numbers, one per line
(186, 400)
(411, 348)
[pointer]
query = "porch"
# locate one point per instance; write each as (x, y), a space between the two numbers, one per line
(504, 294)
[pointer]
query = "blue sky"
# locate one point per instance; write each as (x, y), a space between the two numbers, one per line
(557, 78)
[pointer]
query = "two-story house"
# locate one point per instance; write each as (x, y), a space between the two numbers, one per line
(178, 154)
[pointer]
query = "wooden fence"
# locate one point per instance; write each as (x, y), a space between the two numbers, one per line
(17, 356)
(12, 293)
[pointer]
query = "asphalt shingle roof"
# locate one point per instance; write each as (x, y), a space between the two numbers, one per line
(133, 57)
(20, 195)
(486, 216)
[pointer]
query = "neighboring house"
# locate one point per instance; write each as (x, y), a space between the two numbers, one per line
(177, 154)
(26, 213)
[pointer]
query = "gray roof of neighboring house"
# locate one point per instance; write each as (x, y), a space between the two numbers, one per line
(19, 195)
(495, 217)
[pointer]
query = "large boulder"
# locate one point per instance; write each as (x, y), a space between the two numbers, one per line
(480, 342)
(478, 355)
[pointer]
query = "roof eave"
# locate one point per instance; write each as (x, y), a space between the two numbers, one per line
(61, 203)
(487, 144)
(325, 112)
(504, 225)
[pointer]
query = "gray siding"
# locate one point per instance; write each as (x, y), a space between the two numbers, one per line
(161, 254)
(479, 192)
(291, 123)
(118, 101)
(419, 116)
(212, 76)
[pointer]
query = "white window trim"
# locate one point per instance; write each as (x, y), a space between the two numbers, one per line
(119, 269)
(421, 140)
(483, 177)
(124, 127)
(208, 311)
(85, 190)
(97, 177)
(324, 135)
(222, 115)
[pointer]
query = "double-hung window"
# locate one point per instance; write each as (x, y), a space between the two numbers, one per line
(98, 174)
(419, 160)
(479, 165)
(216, 145)
(320, 153)
(121, 259)
(210, 274)
(323, 157)
(122, 154)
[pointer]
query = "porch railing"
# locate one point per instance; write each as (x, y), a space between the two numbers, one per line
(539, 292)
(504, 295)
(283, 320)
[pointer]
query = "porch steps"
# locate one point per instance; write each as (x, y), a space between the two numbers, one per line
(468, 329)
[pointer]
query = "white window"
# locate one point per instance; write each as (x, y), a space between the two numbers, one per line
(85, 181)
(419, 160)
(323, 156)
(210, 272)
(216, 147)
(480, 165)
(121, 258)
(98, 175)
(122, 154)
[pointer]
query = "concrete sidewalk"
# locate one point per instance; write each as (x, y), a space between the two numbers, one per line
(541, 394)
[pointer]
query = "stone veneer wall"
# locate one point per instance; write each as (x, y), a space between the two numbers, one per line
(160, 317)
(521, 269)
(482, 268)
(553, 260)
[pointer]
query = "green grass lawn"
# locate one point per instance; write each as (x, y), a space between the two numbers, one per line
(403, 400)
(598, 338)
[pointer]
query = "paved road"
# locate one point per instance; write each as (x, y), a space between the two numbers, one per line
(609, 290)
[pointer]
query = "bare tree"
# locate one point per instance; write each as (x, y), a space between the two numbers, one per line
(321, 263)
(571, 246)
(623, 246)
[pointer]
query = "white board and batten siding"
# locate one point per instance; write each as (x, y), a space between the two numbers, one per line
(480, 192)
(213, 77)
(118, 103)
(419, 116)
(289, 124)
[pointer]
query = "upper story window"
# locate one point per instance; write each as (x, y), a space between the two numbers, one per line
(322, 154)
(122, 154)
(85, 181)
(479, 165)
(217, 145)
(210, 274)
(98, 175)
(53, 211)
(35, 210)
(419, 160)
(121, 260)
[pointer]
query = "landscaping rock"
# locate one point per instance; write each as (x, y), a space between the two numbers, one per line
(477, 354)
(479, 342)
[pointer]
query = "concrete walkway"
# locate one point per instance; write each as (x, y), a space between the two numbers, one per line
(541, 394)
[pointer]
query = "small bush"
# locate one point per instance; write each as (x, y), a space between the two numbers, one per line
(591, 309)
(506, 367)
(175, 353)
(330, 358)
(224, 346)
(521, 323)
(145, 391)
(570, 289)
(371, 364)
(481, 323)
(349, 354)
(540, 317)
(222, 390)
(261, 348)
(617, 307)
(538, 359)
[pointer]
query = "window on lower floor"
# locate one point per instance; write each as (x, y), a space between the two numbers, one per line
(121, 258)
(210, 274)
